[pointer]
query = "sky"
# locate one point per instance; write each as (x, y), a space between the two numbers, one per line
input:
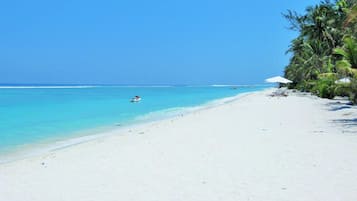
(144, 42)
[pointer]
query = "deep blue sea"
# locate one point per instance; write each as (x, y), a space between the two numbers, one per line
(35, 114)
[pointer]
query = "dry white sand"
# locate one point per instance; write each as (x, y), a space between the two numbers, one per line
(257, 148)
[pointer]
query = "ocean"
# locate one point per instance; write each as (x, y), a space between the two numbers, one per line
(43, 114)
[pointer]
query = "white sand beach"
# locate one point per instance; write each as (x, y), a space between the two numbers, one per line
(256, 148)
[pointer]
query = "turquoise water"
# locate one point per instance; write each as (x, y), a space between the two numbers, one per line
(34, 114)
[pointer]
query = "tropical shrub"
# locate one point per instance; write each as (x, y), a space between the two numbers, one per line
(325, 49)
(325, 87)
(343, 90)
(353, 91)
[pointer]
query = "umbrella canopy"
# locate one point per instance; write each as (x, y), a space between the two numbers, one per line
(343, 81)
(278, 79)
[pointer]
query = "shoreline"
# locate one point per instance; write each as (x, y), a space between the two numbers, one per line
(76, 138)
(255, 148)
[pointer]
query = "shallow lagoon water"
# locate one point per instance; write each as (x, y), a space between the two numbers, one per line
(33, 114)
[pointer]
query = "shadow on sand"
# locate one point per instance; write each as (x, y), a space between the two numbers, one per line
(338, 105)
(346, 122)
(341, 107)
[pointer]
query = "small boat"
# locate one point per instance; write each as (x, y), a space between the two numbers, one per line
(135, 99)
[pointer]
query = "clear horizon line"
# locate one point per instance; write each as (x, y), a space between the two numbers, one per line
(114, 84)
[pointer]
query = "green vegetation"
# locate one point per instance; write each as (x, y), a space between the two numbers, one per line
(325, 49)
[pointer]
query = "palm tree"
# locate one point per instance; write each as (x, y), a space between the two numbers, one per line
(325, 48)
(348, 52)
(352, 15)
(323, 23)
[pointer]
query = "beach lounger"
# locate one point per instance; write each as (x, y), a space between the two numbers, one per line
(280, 93)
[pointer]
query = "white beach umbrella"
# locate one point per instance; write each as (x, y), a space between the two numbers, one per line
(343, 81)
(278, 79)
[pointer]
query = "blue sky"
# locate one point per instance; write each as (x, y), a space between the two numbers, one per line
(144, 42)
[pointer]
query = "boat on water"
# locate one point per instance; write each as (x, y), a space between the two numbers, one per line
(135, 99)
